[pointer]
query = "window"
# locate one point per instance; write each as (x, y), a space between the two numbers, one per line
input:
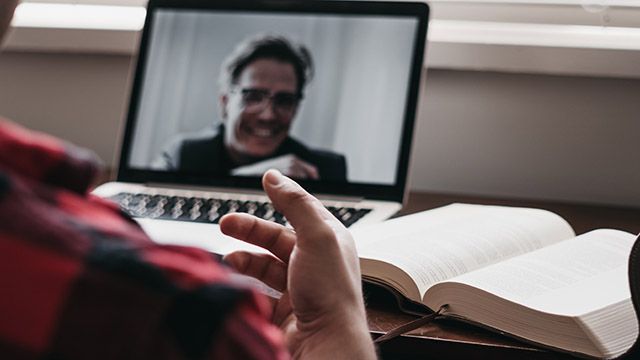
(576, 37)
(92, 2)
(616, 13)
(581, 37)
(81, 14)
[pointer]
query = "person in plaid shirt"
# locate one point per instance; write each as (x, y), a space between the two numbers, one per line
(81, 280)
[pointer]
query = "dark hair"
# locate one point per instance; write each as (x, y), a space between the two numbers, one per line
(265, 46)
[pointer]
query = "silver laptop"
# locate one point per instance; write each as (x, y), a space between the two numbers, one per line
(324, 91)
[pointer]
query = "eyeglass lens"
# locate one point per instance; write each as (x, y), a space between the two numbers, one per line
(256, 100)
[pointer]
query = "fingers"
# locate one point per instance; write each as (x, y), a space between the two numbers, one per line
(294, 167)
(309, 171)
(302, 210)
(267, 234)
(288, 164)
(263, 267)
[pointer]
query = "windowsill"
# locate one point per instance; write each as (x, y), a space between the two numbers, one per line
(534, 48)
(457, 45)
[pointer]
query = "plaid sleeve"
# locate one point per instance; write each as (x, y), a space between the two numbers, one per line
(161, 302)
(79, 280)
(125, 302)
(45, 159)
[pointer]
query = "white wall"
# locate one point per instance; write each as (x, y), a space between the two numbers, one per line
(553, 137)
(80, 98)
(535, 136)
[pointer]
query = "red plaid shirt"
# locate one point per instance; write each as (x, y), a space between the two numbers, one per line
(80, 280)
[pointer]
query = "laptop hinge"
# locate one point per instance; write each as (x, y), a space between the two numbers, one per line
(204, 188)
(339, 198)
(328, 197)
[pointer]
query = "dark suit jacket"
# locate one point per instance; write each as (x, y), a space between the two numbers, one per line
(205, 154)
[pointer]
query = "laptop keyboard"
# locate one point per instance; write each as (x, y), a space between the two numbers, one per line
(210, 210)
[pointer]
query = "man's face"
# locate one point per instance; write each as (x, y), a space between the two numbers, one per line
(260, 108)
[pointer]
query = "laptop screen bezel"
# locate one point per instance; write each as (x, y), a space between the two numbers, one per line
(394, 192)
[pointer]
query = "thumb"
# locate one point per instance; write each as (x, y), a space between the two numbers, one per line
(303, 211)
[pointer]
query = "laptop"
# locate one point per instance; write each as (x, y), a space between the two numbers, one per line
(324, 91)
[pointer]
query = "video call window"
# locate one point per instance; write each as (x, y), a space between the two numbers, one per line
(235, 94)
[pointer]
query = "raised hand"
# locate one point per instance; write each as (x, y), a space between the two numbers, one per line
(315, 266)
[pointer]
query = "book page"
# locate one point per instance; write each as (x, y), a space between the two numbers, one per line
(571, 278)
(439, 244)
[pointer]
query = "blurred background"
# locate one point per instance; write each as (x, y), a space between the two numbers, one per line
(534, 99)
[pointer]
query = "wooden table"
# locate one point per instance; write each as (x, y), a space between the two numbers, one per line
(454, 340)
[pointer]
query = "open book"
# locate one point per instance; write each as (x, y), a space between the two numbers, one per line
(516, 270)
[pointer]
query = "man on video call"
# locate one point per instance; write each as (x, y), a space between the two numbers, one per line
(262, 84)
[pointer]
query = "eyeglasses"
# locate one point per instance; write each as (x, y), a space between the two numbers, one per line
(256, 100)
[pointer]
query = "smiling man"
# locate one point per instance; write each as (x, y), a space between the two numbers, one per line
(262, 85)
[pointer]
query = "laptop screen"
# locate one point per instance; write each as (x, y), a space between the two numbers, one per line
(323, 91)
